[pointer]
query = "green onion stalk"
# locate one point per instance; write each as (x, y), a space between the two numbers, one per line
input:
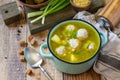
(52, 7)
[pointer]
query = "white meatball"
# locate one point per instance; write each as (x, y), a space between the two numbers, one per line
(70, 27)
(82, 33)
(91, 46)
(74, 43)
(60, 50)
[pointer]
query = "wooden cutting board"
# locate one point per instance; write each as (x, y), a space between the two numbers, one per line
(51, 20)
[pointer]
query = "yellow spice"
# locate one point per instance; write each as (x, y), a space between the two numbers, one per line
(81, 3)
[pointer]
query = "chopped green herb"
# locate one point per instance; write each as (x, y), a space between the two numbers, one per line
(73, 35)
(66, 45)
(78, 52)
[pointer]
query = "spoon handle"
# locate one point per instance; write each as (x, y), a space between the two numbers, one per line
(45, 73)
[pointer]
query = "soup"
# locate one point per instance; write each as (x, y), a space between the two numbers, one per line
(74, 41)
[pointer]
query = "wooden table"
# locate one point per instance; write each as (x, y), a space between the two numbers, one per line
(11, 68)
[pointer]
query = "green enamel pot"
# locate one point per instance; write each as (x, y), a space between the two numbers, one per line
(68, 67)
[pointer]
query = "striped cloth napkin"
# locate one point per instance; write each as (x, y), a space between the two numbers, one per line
(108, 63)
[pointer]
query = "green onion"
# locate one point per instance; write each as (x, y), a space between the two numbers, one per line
(47, 7)
(33, 14)
(52, 7)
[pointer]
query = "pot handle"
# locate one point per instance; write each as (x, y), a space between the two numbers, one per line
(104, 38)
(44, 55)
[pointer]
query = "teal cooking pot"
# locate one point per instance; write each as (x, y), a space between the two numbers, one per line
(67, 67)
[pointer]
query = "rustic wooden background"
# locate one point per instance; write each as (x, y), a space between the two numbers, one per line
(11, 68)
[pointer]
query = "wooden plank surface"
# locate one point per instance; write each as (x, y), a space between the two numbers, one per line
(10, 65)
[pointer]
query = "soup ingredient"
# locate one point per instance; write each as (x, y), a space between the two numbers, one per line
(74, 43)
(60, 50)
(91, 46)
(81, 3)
(73, 35)
(78, 52)
(28, 71)
(52, 7)
(56, 38)
(70, 27)
(82, 33)
(73, 58)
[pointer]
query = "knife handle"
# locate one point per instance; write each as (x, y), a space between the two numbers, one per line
(111, 12)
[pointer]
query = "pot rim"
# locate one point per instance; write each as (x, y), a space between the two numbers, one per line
(76, 62)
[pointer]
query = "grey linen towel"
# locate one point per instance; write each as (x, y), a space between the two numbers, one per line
(108, 63)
